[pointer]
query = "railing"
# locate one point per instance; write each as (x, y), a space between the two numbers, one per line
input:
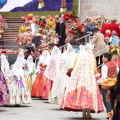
(78, 40)
(86, 36)
(107, 47)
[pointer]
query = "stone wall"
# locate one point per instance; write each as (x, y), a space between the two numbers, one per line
(108, 8)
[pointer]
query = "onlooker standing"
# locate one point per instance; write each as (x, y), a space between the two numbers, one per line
(57, 25)
(114, 40)
(89, 29)
(99, 45)
(36, 34)
(62, 32)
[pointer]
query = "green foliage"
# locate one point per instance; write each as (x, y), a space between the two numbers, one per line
(20, 14)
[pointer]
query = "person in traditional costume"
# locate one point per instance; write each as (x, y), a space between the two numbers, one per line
(5, 67)
(66, 61)
(104, 27)
(114, 26)
(53, 65)
(4, 93)
(31, 68)
(52, 70)
(108, 70)
(37, 89)
(18, 89)
(29, 71)
(82, 92)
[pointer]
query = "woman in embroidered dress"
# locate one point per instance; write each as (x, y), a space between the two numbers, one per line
(66, 62)
(37, 89)
(4, 94)
(19, 93)
(29, 69)
(82, 92)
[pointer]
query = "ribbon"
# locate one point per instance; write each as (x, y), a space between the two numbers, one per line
(20, 83)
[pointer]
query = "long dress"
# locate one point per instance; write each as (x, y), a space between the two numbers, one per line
(37, 87)
(66, 61)
(41, 85)
(82, 91)
(18, 90)
(4, 93)
(53, 65)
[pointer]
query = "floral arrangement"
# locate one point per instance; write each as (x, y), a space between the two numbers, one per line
(30, 17)
(47, 29)
(97, 22)
(2, 21)
(114, 50)
(23, 38)
(23, 28)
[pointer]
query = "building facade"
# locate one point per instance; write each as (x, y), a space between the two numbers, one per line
(108, 8)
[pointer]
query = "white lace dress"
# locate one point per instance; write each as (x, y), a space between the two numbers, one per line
(66, 62)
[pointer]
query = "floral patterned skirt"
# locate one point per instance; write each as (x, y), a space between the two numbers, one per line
(19, 92)
(4, 93)
(80, 99)
(47, 86)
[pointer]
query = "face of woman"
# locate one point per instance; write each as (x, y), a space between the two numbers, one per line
(104, 59)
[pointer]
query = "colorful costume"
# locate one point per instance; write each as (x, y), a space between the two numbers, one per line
(82, 91)
(66, 62)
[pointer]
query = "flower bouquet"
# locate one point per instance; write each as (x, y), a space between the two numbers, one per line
(114, 50)
(109, 83)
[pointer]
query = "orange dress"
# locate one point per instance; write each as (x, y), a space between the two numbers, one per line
(42, 85)
(38, 84)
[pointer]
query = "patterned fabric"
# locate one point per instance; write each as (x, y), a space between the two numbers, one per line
(19, 93)
(82, 88)
(66, 61)
(37, 87)
(4, 94)
(112, 72)
(53, 65)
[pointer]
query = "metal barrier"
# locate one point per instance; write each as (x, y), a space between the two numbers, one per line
(86, 37)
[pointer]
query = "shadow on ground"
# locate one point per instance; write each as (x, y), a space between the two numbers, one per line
(79, 118)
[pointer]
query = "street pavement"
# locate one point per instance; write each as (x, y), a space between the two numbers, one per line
(41, 110)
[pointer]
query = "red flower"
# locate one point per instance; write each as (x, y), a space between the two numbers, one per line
(72, 31)
(3, 17)
(42, 23)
